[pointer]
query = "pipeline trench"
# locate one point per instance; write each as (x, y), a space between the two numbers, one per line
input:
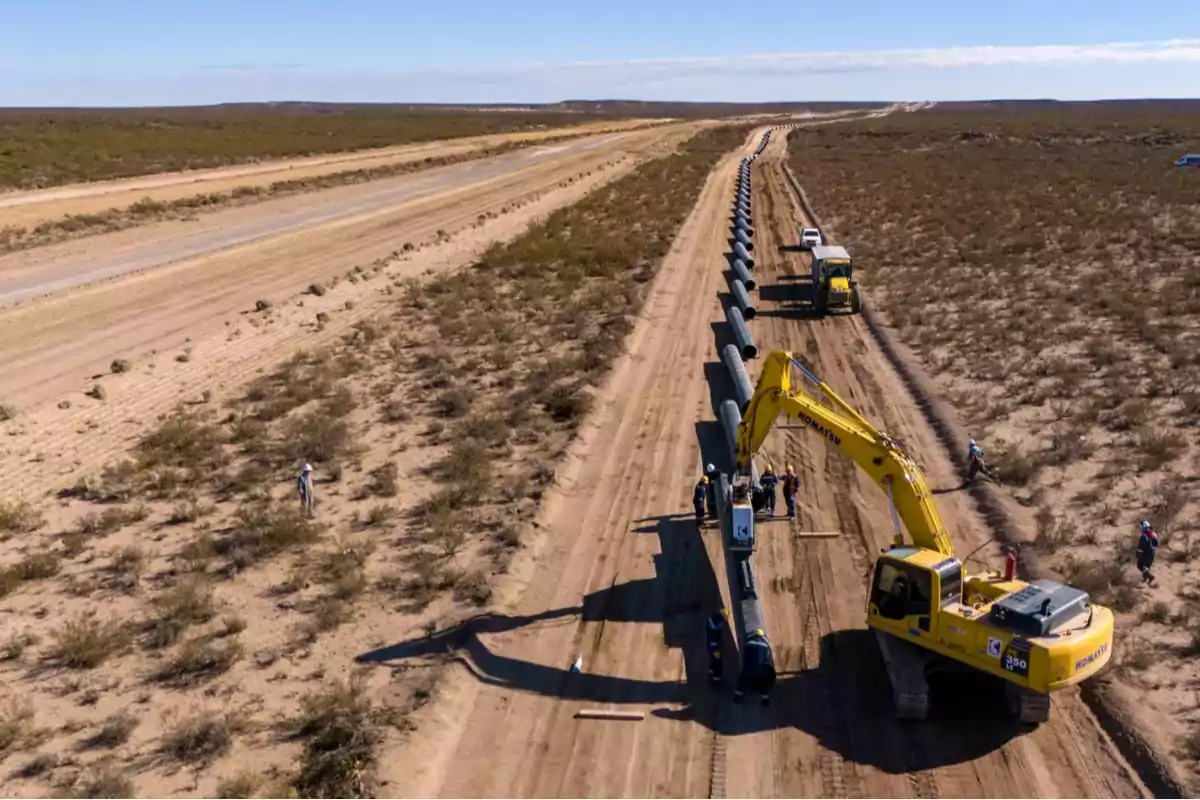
(620, 575)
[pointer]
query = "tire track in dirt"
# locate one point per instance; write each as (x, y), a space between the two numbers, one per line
(936, 757)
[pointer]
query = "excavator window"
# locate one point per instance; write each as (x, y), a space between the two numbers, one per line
(901, 592)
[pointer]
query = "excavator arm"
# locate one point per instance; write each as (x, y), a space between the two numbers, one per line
(884, 459)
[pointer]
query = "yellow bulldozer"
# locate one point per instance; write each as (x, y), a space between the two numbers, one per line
(924, 606)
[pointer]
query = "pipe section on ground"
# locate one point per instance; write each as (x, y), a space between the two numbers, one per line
(742, 298)
(742, 237)
(743, 254)
(742, 274)
(741, 334)
(743, 390)
(743, 224)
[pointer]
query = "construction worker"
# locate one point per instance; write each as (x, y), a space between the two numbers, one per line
(304, 488)
(711, 473)
(769, 481)
(714, 641)
(699, 496)
(791, 485)
(758, 667)
(975, 462)
(1146, 550)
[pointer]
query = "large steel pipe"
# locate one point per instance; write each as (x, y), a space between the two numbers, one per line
(741, 236)
(731, 418)
(742, 298)
(742, 206)
(742, 274)
(743, 224)
(743, 254)
(743, 390)
(741, 334)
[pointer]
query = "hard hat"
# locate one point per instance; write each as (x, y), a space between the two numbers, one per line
(1145, 524)
(307, 467)
(770, 468)
(759, 633)
(710, 468)
(704, 479)
(971, 442)
(790, 468)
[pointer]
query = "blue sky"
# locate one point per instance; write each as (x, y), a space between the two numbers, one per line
(122, 52)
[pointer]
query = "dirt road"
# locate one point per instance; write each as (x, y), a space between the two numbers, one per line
(32, 207)
(191, 276)
(189, 327)
(622, 577)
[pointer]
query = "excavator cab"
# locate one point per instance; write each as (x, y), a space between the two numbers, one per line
(902, 593)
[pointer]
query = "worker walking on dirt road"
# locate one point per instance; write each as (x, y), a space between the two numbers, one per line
(1146, 550)
(791, 485)
(769, 482)
(699, 497)
(758, 667)
(304, 488)
(714, 641)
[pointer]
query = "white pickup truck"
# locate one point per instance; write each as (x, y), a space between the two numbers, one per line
(810, 238)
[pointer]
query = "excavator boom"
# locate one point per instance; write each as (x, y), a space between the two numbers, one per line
(883, 458)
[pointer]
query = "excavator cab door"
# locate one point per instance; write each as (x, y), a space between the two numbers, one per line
(901, 594)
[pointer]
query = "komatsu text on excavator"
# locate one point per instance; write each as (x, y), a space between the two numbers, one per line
(923, 606)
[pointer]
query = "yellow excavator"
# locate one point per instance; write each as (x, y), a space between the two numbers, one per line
(923, 605)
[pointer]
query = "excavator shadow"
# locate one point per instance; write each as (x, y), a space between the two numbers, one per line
(680, 597)
(844, 703)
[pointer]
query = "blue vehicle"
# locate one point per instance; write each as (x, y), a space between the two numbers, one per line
(1190, 160)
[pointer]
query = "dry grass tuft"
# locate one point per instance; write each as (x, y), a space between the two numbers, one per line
(86, 643)
(201, 739)
(340, 739)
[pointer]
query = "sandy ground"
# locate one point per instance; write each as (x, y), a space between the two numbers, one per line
(50, 444)
(621, 576)
(191, 278)
(28, 208)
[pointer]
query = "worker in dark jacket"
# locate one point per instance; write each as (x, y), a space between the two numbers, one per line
(769, 482)
(714, 641)
(758, 667)
(711, 473)
(1146, 550)
(699, 496)
(791, 485)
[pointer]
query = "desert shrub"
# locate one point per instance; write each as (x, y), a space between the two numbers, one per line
(114, 731)
(201, 739)
(19, 517)
(190, 602)
(199, 660)
(85, 643)
(340, 741)
(261, 531)
(382, 480)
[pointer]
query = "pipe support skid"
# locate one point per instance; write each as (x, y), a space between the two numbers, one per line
(744, 254)
(743, 390)
(741, 334)
(742, 274)
(742, 298)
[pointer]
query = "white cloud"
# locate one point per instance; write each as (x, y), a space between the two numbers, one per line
(1119, 69)
(867, 60)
